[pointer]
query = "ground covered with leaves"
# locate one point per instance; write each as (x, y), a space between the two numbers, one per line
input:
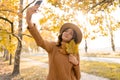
(29, 71)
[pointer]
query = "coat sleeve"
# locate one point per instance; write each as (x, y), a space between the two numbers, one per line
(77, 69)
(34, 32)
(39, 40)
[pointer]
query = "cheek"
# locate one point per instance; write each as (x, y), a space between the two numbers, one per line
(63, 35)
(70, 37)
(66, 36)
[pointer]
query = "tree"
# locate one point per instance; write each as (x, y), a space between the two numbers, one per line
(107, 24)
(6, 54)
(87, 7)
(5, 37)
(110, 31)
(9, 9)
(16, 69)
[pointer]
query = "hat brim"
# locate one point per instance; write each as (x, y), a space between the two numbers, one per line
(75, 28)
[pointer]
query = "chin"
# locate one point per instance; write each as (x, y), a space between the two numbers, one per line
(67, 41)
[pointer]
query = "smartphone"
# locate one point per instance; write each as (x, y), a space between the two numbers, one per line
(38, 2)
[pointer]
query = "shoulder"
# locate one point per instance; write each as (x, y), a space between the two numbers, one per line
(49, 46)
(50, 43)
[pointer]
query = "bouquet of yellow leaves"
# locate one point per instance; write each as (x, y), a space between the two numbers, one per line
(71, 47)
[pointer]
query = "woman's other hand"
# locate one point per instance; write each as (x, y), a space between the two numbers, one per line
(73, 59)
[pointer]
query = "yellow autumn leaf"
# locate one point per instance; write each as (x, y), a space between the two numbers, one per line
(86, 36)
(71, 47)
(11, 48)
(101, 28)
(93, 38)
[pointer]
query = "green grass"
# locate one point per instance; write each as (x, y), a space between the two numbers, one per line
(108, 70)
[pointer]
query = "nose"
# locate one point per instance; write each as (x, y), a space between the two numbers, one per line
(67, 32)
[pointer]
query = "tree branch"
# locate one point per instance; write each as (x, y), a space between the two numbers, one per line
(27, 35)
(28, 6)
(102, 2)
(7, 10)
(12, 30)
(12, 34)
(6, 19)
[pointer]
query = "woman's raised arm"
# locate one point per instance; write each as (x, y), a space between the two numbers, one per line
(34, 32)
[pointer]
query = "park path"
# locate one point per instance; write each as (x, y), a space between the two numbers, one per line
(84, 76)
(100, 59)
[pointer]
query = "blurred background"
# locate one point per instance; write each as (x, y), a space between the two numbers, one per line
(99, 50)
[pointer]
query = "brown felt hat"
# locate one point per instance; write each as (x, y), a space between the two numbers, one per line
(75, 28)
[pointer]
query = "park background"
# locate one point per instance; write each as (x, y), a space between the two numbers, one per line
(99, 50)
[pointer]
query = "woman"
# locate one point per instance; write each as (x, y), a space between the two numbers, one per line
(63, 58)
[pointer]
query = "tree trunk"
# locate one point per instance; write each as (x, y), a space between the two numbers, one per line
(6, 55)
(10, 62)
(16, 69)
(112, 41)
(111, 33)
(10, 58)
(86, 47)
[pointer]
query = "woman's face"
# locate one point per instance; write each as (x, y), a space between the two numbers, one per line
(67, 35)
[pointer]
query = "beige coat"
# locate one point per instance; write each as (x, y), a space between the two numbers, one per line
(59, 66)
